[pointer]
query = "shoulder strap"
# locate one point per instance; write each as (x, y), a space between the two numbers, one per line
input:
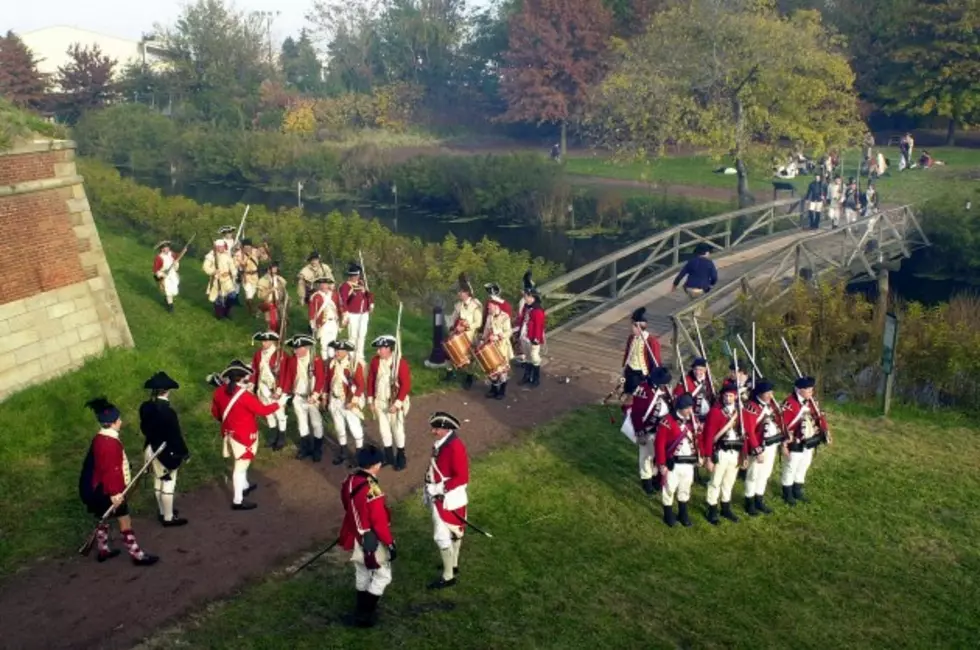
(231, 403)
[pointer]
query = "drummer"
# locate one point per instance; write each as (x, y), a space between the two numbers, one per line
(496, 332)
(466, 321)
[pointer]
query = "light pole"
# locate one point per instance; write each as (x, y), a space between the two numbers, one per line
(268, 16)
(394, 190)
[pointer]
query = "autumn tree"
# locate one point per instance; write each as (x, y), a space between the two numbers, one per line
(20, 81)
(936, 67)
(85, 82)
(554, 58)
(735, 79)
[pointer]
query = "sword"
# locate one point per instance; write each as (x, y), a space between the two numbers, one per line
(241, 226)
(465, 522)
(315, 557)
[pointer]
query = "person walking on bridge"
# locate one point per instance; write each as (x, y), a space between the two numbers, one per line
(700, 272)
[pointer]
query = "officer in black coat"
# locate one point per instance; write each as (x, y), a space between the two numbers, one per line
(159, 423)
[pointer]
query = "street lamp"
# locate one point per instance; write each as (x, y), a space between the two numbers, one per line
(394, 190)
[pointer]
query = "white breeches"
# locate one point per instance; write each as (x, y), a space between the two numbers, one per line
(723, 478)
(250, 290)
(795, 467)
(757, 476)
(531, 353)
(239, 479)
(444, 534)
(171, 285)
(647, 467)
(279, 417)
(834, 213)
(391, 425)
(326, 334)
(814, 206)
(307, 416)
(373, 581)
(678, 483)
(357, 329)
(850, 215)
(163, 490)
(344, 419)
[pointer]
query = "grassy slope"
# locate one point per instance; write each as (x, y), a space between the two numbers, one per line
(885, 555)
(908, 187)
(39, 510)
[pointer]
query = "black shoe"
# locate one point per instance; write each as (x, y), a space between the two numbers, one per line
(170, 307)
(468, 382)
(400, 460)
(798, 493)
(713, 515)
(450, 375)
(669, 517)
(244, 505)
(280, 441)
(160, 516)
(442, 584)
(389, 457)
(726, 512)
(502, 390)
(353, 619)
(788, 495)
(369, 611)
(455, 570)
(175, 522)
(682, 515)
(271, 441)
(526, 379)
(492, 393)
(647, 484)
(317, 449)
(146, 560)
(341, 455)
(252, 487)
(760, 505)
(305, 448)
(535, 375)
(750, 507)
(108, 555)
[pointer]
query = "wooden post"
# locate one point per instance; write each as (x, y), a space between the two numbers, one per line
(677, 248)
(888, 360)
(771, 228)
(728, 234)
(883, 289)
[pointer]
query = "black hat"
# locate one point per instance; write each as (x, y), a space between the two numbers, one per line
(324, 278)
(224, 230)
(105, 412)
(340, 344)
(265, 336)
(639, 315)
(659, 376)
(463, 284)
(729, 387)
(165, 242)
(699, 362)
(443, 420)
(369, 456)
(493, 289)
(353, 269)
(300, 341)
(274, 263)
(246, 242)
(384, 341)
(685, 401)
(702, 248)
(762, 386)
(236, 368)
(805, 382)
(528, 282)
(161, 381)
(315, 255)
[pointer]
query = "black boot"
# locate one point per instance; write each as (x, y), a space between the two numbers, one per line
(389, 456)
(170, 307)
(682, 515)
(468, 381)
(369, 610)
(271, 442)
(647, 484)
(713, 515)
(669, 518)
(305, 448)
(760, 505)
(526, 379)
(788, 495)
(726, 512)
(502, 390)
(341, 455)
(493, 391)
(280, 441)
(400, 460)
(450, 375)
(354, 619)
(535, 375)
(317, 449)
(750, 507)
(798, 493)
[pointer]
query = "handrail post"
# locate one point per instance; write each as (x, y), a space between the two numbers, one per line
(728, 234)
(677, 248)
(613, 280)
(771, 227)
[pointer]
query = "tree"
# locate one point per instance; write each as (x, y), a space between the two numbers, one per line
(418, 41)
(86, 82)
(936, 68)
(20, 81)
(738, 80)
(554, 59)
(300, 65)
(349, 30)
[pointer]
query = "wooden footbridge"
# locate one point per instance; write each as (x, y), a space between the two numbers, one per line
(759, 252)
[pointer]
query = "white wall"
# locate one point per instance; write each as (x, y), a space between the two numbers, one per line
(50, 46)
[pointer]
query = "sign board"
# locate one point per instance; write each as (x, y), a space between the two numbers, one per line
(890, 342)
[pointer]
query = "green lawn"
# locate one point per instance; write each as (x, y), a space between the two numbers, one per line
(886, 555)
(911, 186)
(40, 511)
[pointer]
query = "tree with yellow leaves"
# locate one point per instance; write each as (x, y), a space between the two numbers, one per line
(299, 118)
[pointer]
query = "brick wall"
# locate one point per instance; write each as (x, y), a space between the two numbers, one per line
(58, 302)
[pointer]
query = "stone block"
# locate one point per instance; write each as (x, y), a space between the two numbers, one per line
(7, 361)
(85, 301)
(28, 353)
(26, 321)
(41, 300)
(91, 331)
(4, 328)
(86, 349)
(64, 169)
(61, 309)
(84, 231)
(114, 338)
(55, 363)
(73, 291)
(49, 328)
(18, 340)
(77, 205)
(91, 257)
(95, 285)
(62, 343)
(80, 318)
(78, 192)
(12, 309)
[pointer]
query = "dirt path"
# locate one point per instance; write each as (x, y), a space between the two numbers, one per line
(79, 603)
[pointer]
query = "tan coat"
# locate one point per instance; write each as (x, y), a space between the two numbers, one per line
(271, 290)
(307, 275)
(498, 329)
(471, 313)
(221, 268)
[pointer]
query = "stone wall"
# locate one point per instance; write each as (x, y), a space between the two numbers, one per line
(58, 303)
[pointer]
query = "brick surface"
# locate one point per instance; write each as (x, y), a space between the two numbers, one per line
(20, 168)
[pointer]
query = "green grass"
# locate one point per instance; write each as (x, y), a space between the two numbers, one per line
(886, 554)
(911, 186)
(41, 459)
(16, 124)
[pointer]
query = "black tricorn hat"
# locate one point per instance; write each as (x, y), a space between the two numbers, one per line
(528, 282)
(443, 420)
(702, 248)
(353, 269)
(369, 456)
(315, 255)
(685, 401)
(246, 242)
(762, 386)
(805, 382)
(341, 344)
(639, 315)
(161, 381)
(659, 376)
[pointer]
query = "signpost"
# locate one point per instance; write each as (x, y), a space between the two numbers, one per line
(888, 358)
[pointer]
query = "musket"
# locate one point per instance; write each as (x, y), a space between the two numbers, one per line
(360, 258)
(183, 251)
(465, 522)
(813, 402)
(775, 402)
(398, 352)
(738, 398)
(241, 226)
(315, 557)
(87, 546)
(755, 369)
(707, 366)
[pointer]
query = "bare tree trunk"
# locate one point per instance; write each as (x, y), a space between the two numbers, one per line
(745, 197)
(564, 128)
(951, 132)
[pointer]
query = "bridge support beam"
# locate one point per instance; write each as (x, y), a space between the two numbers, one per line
(882, 306)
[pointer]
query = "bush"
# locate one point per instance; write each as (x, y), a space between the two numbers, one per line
(16, 123)
(952, 223)
(397, 267)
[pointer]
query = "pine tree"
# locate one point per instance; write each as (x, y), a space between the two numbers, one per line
(20, 81)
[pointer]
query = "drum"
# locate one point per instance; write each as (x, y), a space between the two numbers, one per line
(457, 348)
(490, 358)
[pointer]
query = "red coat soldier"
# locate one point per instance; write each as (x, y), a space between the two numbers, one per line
(327, 316)
(358, 304)
(642, 353)
(366, 532)
(650, 402)
(738, 378)
(105, 476)
(236, 408)
(388, 394)
(344, 390)
(493, 295)
(695, 383)
(677, 456)
(303, 377)
(764, 433)
(445, 492)
(722, 446)
(532, 336)
(807, 428)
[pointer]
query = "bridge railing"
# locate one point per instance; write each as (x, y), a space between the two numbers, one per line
(856, 249)
(633, 268)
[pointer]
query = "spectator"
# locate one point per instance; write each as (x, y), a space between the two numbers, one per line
(851, 200)
(835, 196)
(814, 198)
(700, 272)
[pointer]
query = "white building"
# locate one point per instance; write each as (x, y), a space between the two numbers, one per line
(50, 46)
